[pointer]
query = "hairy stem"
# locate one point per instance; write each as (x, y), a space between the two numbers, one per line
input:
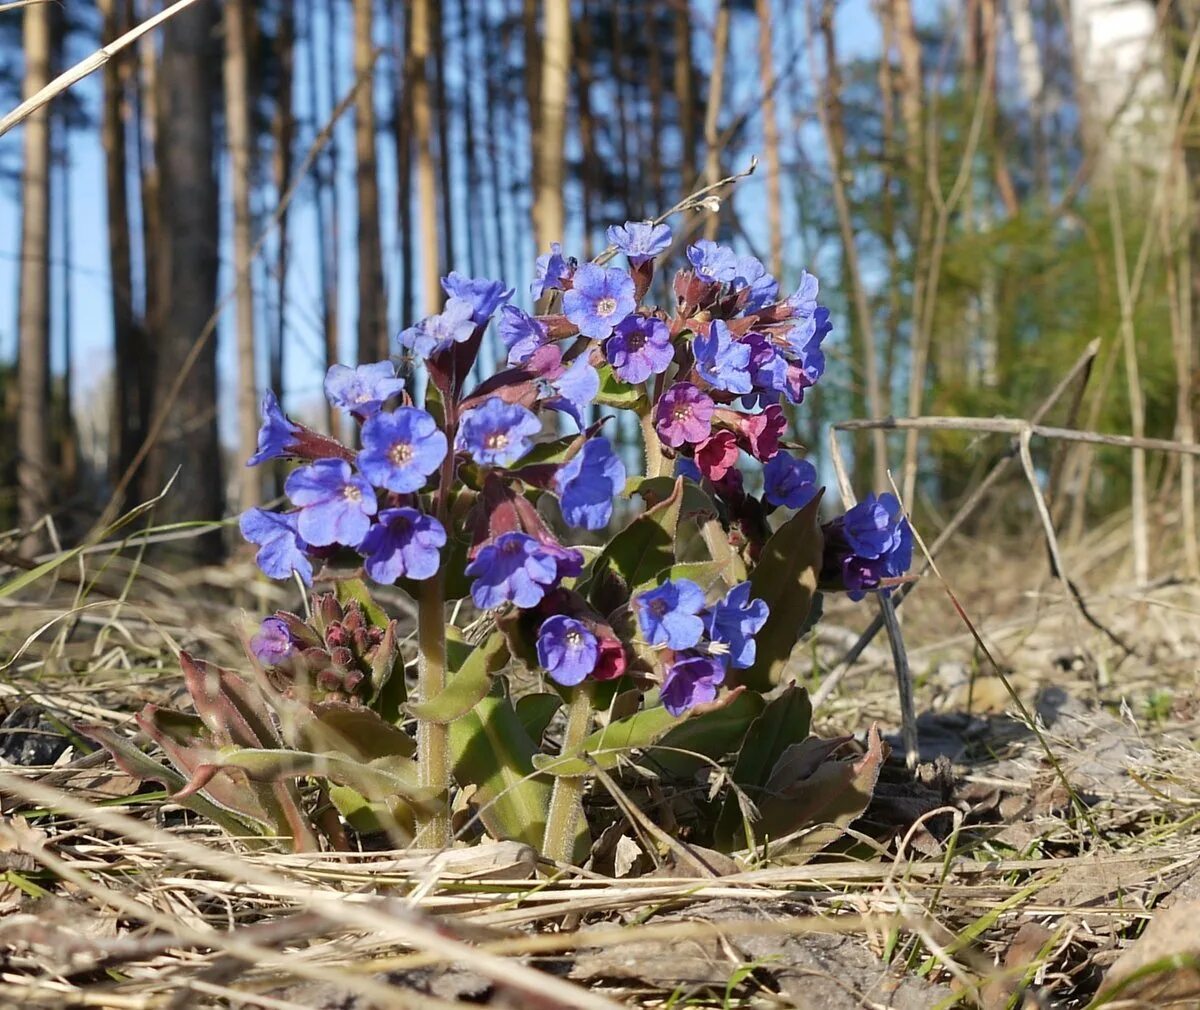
(566, 800)
(433, 739)
(654, 453)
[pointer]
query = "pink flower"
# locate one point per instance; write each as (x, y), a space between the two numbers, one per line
(716, 454)
(684, 414)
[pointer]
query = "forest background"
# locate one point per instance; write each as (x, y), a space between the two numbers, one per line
(257, 190)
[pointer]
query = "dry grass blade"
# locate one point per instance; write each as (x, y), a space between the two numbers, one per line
(87, 66)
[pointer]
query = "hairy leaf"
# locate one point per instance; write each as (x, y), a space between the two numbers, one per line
(470, 681)
(615, 393)
(713, 734)
(356, 591)
(786, 578)
(635, 555)
(535, 712)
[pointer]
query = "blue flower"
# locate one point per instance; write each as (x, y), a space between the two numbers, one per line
(734, 621)
(691, 680)
(789, 481)
(588, 482)
(404, 543)
(550, 270)
(511, 569)
(600, 297)
(876, 526)
(567, 650)
(712, 262)
(668, 615)
(497, 433)
(522, 334)
(434, 334)
(868, 544)
(750, 273)
(401, 448)
(277, 436)
(575, 389)
(483, 295)
(685, 467)
(281, 551)
(364, 389)
(640, 240)
(568, 562)
(335, 503)
(804, 301)
(639, 347)
(722, 360)
(273, 642)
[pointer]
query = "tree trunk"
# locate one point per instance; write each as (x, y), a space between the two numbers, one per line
(493, 51)
(33, 326)
(372, 304)
(585, 77)
(402, 136)
(477, 257)
(685, 95)
(766, 69)
(552, 120)
(126, 431)
(237, 128)
(442, 120)
(422, 129)
(187, 262)
(284, 132)
(712, 112)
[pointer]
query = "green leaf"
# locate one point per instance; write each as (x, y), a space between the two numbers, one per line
(553, 451)
(784, 722)
(713, 734)
(706, 574)
(367, 817)
(607, 745)
(468, 684)
(696, 504)
(642, 549)
(535, 712)
(786, 578)
(354, 730)
(615, 392)
(355, 590)
(491, 750)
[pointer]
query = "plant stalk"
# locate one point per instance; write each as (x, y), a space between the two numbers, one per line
(654, 453)
(433, 739)
(566, 802)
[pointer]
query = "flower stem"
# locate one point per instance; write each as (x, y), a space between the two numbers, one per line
(654, 453)
(566, 800)
(433, 739)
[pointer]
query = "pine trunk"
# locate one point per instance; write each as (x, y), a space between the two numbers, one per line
(372, 306)
(552, 119)
(33, 325)
(422, 130)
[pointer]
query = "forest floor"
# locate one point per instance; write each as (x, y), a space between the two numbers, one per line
(1045, 858)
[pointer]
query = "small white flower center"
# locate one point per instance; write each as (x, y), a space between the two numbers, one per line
(496, 440)
(352, 493)
(681, 412)
(574, 639)
(401, 453)
(606, 306)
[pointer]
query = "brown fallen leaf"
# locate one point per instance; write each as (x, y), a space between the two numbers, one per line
(1028, 942)
(1162, 968)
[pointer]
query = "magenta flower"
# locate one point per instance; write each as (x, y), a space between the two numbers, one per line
(683, 414)
(716, 454)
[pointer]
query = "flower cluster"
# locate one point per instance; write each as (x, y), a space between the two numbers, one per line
(702, 642)
(467, 469)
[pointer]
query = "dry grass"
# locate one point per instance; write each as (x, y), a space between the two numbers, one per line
(112, 899)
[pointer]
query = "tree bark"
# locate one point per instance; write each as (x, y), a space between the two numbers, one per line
(33, 325)
(186, 263)
(585, 77)
(766, 69)
(442, 121)
(237, 129)
(552, 120)
(284, 131)
(712, 112)
(372, 304)
(402, 131)
(685, 95)
(477, 241)
(422, 130)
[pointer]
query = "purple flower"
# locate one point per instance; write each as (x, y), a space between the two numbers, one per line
(600, 297)
(685, 467)
(691, 680)
(668, 615)
(870, 543)
(434, 334)
(683, 414)
(722, 360)
(401, 448)
(364, 389)
(567, 650)
(575, 389)
(549, 271)
(768, 368)
(277, 436)
(483, 295)
(789, 481)
(568, 562)
(404, 543)
(588, 482)
(640, 240)
(497, 433)
(281, 551)
(712, 262)
(335, 503)
(522, 334)
(734, 621)
(639, 347)
(751, 274)
(512, 569)
(273, 642)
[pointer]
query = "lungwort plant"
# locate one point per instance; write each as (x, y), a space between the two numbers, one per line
(626, 617)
